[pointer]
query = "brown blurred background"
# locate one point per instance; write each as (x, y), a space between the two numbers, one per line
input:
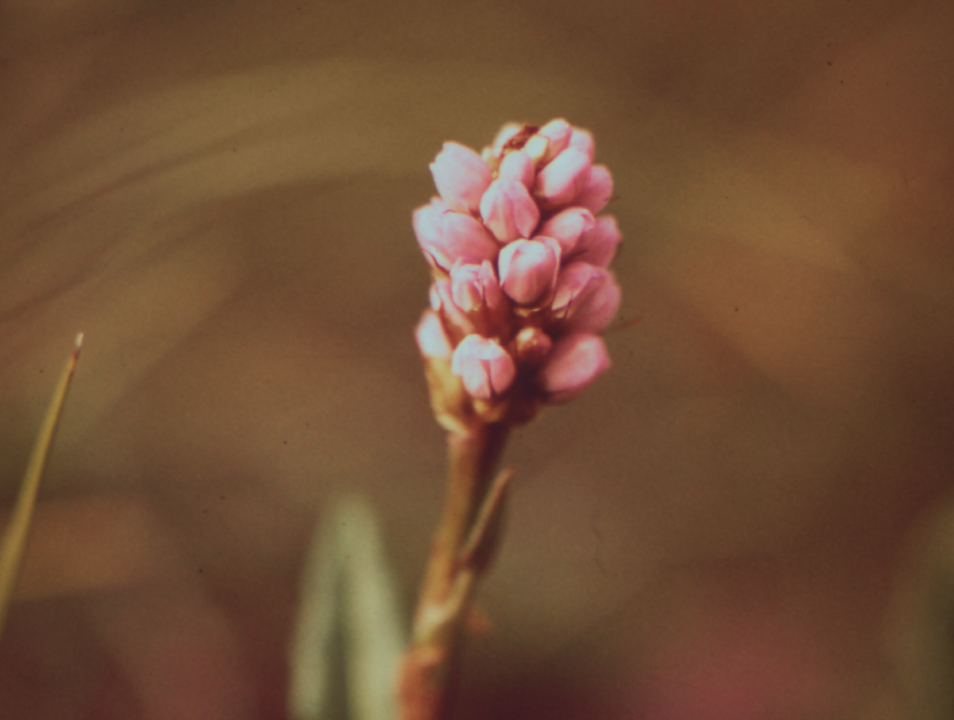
(745, 519)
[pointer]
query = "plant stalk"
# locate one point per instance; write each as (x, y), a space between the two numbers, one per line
(430, 668)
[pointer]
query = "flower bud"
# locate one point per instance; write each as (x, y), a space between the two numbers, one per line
(585, 298)
(431, 339)
(457, 323)
(567, 226)
(461, 177)
(563, 178)
(574, 363)
(486, 369)
(558, 133)
(446, 236)
(449, 399)
(504, 135)
(598, 246)
(532, 346)
(597, 191)
(475, 286)
(508, 210)
(582, 140)
(536, 147)
(528, 269)
(517, 166)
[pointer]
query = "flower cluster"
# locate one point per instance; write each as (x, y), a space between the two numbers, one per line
(519, 260)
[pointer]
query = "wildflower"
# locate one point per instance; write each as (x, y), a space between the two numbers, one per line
(521, 288)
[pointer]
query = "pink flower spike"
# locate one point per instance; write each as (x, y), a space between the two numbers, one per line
(431, 338)
(598, 246)
(508, 210)
(446, 236)
(486, 369)
(517, 166)
(574, 363)
(598, 190)
(563, 178)
(558, 133)
(567, 226)
(528, 269)
(461, 177)
(586, 297)
(582, 140)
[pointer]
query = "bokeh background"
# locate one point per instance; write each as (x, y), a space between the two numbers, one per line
(748, 518)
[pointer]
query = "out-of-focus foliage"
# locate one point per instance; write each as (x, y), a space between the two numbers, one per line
(348, 614)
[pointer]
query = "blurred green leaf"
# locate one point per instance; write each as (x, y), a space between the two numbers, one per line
(349, 628)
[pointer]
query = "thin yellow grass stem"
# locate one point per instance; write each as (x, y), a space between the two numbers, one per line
(13, 543)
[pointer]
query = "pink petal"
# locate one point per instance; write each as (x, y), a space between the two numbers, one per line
(558, 133)
(504, 134)
(528, 269)
(465, 287)
(508, 210)
(585, 298)
(598, 190)
(475, 286)
(493, 295)
(456, 322)
(582, 140)
(461, 177)
(598, 246)
(517, 166)
(567, 226)
(563, 178)
(431, 338)
(574, 363)
(486, 369)
(446, 236)
(575, 278)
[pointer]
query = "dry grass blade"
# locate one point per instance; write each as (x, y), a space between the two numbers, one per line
(14, 537)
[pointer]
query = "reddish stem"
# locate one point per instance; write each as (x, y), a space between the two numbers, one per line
(429, 670)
